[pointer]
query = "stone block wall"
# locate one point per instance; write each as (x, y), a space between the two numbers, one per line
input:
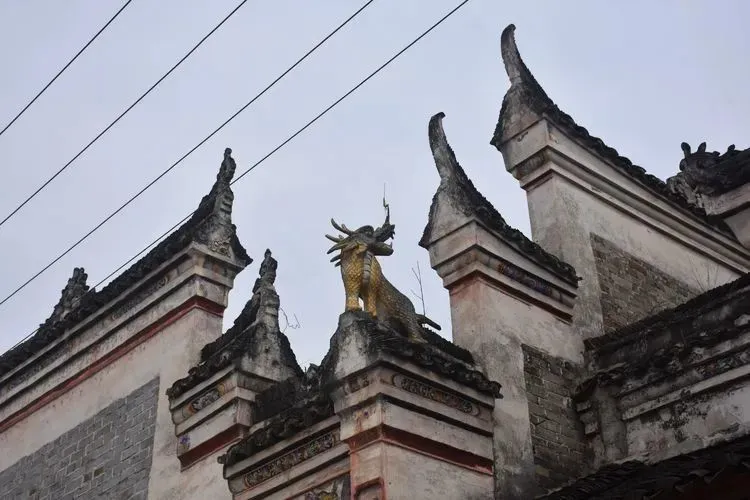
(107, 456)
(556, 431)
(632, 289)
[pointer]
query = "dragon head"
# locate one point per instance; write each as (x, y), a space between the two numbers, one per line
(361, 240)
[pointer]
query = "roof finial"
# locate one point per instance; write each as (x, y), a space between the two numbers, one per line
(510, 54)
(71, 295)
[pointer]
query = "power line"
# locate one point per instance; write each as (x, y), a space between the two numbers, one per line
(183, 157)
(277, 148)
(65, 67)
(127, 110)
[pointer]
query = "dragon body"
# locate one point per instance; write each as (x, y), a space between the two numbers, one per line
(363, 279)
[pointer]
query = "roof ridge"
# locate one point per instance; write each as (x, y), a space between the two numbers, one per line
(527, 90)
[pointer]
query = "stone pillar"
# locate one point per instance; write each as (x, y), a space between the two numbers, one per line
(417, 420)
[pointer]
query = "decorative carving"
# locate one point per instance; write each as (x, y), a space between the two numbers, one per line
(704, 173)
(356, 383)
(132, 302)
(203, 400)
(71, 295)
(521, 276)
(435, 394)
(337, 489)
(217, 231)
(363, 278)
(291, 459)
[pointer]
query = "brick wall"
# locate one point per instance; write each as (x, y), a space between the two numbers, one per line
(556, 431)
(632, 289)
(107, 456)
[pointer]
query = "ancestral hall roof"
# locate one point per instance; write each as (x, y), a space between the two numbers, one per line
(526, 91)
(640, 480)
(214, 208)
(470, 201)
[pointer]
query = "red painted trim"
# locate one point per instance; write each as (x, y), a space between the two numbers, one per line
(112, 356)
(420, 444)
(437, 450)
(368, 484)
(212, 445)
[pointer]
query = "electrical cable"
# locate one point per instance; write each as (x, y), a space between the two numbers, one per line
(65, 67)
(121, 115)
(277, 148)
(183, 157)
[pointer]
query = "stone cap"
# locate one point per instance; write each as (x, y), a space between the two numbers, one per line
(526, 102)
(359, 330)
(255, 327)
(462, 196)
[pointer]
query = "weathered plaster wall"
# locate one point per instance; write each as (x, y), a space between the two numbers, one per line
(693, 423)
(203, 479)
(556, 431)
(494, 326)
(563, 216)
(421, 477)
(107, 456)
(631, 288)
(166, 356)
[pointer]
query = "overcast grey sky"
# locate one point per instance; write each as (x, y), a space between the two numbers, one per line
(643, 75)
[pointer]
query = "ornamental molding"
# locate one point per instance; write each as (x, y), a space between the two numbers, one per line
(291, 459)
(428, 391)
(139, 297)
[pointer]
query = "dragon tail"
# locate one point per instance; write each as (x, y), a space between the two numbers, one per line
(424, 320)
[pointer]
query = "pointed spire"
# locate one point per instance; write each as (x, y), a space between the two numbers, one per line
(70, 296)
(525, 101)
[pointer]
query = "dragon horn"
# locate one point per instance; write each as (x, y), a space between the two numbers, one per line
(337, 246)
(342, 228)
(336, 257)
(335, 239)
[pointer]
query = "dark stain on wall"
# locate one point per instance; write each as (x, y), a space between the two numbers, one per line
(632, 289)
(556, 430)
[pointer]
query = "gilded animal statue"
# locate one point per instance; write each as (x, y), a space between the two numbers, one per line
(363, 278)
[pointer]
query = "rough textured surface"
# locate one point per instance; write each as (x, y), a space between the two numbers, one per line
(461, 193)
(711, 173)
(213, 216)
(363, 277)
(255, 334)
(556, 432)
(107, 456)
(632, 289)
(636, 480)
(336, 489)
(525, 92)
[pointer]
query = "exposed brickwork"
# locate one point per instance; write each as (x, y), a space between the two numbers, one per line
(107, 456)
(556, 431)
(631, 288)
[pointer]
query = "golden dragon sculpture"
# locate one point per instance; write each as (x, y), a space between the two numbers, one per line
(363, 278)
